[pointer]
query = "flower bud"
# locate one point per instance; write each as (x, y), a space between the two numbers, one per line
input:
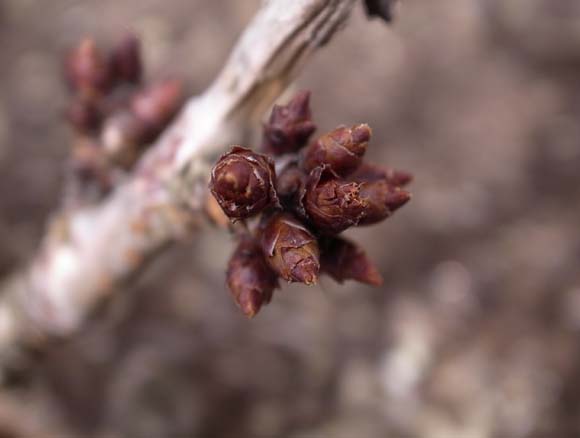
(340, 150)
(249, 278)
(290, 126)
(332, 205)
(242, 181)
(344, 260)
(290, 185)
(126, 60)
(156, 105)
(382, 200)
(290, 249)
(371, 172)
(87, 70)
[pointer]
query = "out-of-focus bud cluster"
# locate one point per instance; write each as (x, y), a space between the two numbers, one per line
(114, 115)
(303, 194)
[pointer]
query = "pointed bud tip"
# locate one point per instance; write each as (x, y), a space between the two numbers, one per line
(361, 133)
(372, 277)
(397, 199)
(306, 271)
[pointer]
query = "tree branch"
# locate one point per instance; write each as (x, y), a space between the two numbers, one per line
(89, 251)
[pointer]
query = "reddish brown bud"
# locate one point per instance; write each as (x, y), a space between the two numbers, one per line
(126, 60)
(290, 185)
(87, 70)
(344, 260)
(83, 115)
(290, 249)
(371, 172)
(242, 182)
(341, 150)
(156, 105)
(290, 126)
(249, 278)
(382, 201)
(331, 204)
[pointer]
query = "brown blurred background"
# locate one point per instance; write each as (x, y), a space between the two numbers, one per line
(476, 331)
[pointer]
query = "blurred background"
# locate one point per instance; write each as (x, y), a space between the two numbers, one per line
(476, 330)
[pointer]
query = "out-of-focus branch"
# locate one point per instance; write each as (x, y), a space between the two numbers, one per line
(88, 251)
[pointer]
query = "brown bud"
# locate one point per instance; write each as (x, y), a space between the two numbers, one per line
(156, 105)
(382, 200)
(290, 249)
(242, 182)
(83, 115)
(332, 205)
(249, 278)
(87, 70)
(290, 185)
(371, 172)
(290, 126)
(380, 8)
(344, 260)
(340, 150)
(126, 60)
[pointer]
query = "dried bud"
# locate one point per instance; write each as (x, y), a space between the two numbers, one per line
(380, 8)
(249, 278)
(290, 126)
(87, 70)
(382, 200)
(344, 260)
(290, 185)
(242, 182)
(84, 116)
(291, 250)
(126, 60)
(341, 150)
(156, 105)
(331, 204)
(371, 172)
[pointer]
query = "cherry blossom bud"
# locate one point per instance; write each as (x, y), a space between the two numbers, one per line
(242, 181)
(382, 201)
(156, 105)
(290, 184)
(290, 126)
(249, 278)
(340, 150)
(290, 249)
(126, 60)
(87, 70)
(332, 205)
(371, 172)
(344, 260)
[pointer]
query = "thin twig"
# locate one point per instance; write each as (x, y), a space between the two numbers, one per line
(87, 253)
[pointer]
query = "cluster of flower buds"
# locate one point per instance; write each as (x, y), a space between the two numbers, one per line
(304, 194)
(113, 114)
